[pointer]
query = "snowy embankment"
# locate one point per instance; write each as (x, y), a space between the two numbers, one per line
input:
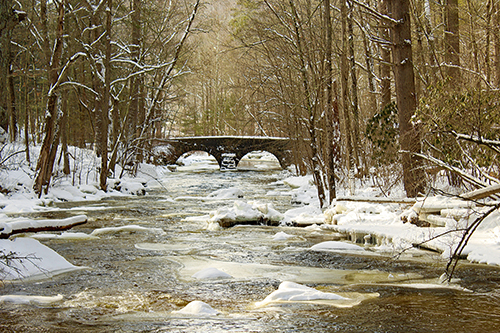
(30, 259)
(22, 258)
(380, 223)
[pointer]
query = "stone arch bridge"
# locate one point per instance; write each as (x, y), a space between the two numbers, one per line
(224, 147)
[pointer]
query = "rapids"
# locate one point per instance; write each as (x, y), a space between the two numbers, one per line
(138, 279)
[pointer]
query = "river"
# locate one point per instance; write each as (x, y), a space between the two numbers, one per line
(134, 281)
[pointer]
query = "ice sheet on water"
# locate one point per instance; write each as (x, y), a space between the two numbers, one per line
(126, 228)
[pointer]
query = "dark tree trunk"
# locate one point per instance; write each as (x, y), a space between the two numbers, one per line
(452, 40)
(8, 20)
(51, 140)
(405, 94)
(333, 131)
(385, 65)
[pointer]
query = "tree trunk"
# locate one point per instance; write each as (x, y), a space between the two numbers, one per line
(51, 140)
(452, 41)
(316, 158)
(134, 127)
(11, 107)
(8, 20)
(346, 101)
(370, 72)
(497, 43)
(405, 94)
(489, 15)
(333, 132)
(385, 64)
(64, 133)
(105, 100)
(354, 89)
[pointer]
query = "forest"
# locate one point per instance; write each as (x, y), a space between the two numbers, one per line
(397, 91)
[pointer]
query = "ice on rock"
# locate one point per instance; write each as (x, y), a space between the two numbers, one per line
(198, 309)
(126, 229)
(294, 292)
(244, 212)
(26, 299)
(280, 236)
(336, 246)
(227, 193)
(41, 261)
(211, 273)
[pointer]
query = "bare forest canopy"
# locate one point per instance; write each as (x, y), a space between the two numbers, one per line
(396, 90)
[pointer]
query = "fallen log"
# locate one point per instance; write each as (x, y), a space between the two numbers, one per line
(378, 200)
(8, 229)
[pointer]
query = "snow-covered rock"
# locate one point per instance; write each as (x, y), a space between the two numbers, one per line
(34, 260)
(227, 193)
(336, 246)
(197, 309)
(246, 213)
(294, 292)
(211, 273)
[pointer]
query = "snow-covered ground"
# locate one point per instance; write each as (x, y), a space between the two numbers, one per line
(379, 225)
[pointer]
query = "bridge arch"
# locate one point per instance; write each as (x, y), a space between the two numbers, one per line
(253, 159)
(218, 146)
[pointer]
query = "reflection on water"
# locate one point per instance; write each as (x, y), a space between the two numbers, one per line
(137, 278)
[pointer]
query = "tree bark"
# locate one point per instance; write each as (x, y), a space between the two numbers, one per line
(405, 95)
(333, 132)
(346, 101)
(316, 158)
(354, 89)
(385, 64)
(105, 100)
(497, 43)
(8, 20)
(134, 112)
(51, 140)
(452, 41)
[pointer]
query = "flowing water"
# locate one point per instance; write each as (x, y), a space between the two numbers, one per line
(134, 280)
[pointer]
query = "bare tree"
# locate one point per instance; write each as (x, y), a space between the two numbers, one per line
(452, 40)
(405, 96)
(9, 18)
(50, 144)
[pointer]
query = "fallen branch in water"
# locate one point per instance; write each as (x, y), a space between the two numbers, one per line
(17, 227)
(469, 231)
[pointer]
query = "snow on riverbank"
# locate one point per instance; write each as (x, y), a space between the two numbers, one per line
(35, 260)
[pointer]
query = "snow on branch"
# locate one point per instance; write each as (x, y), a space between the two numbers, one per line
(376, 14)
(63, 71)
(143, 70)
(469, 178)
(492, 144)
